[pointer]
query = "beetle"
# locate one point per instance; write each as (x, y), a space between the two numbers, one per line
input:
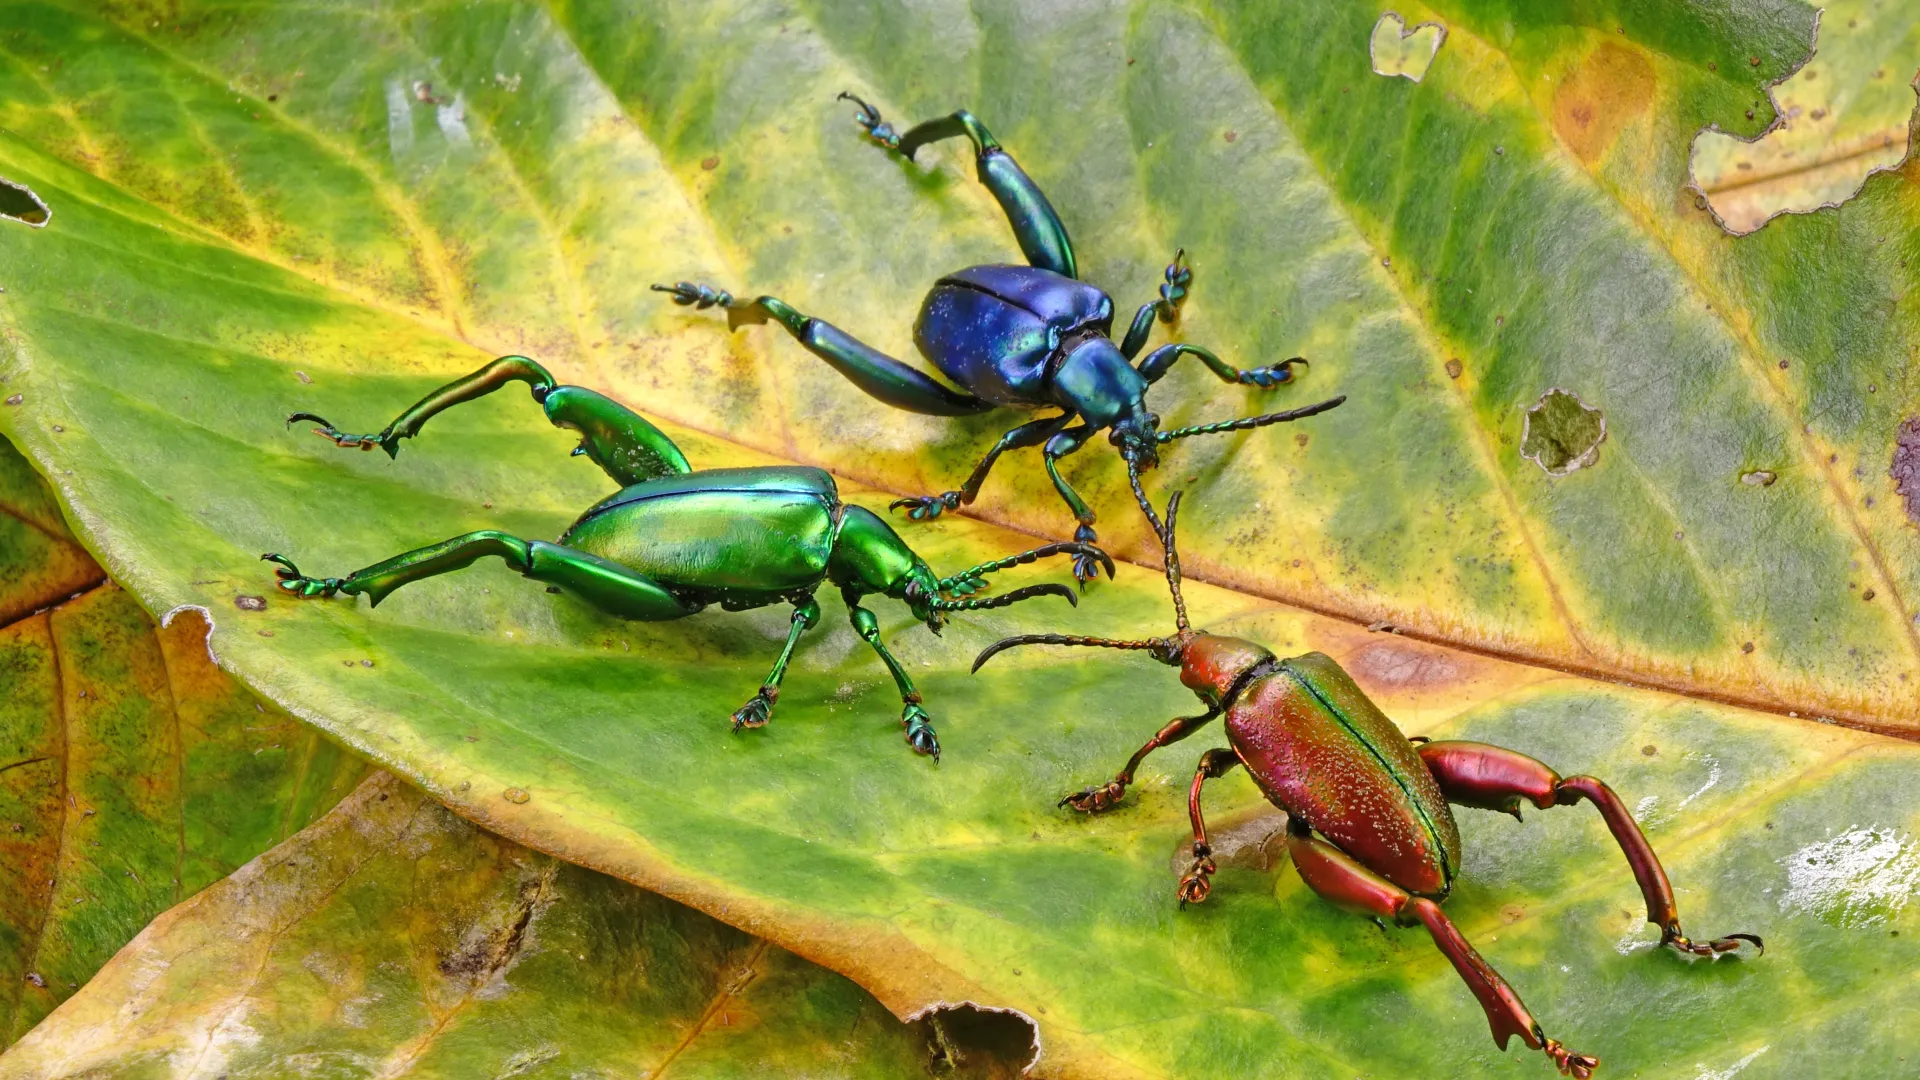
(674, 540)
(1368, 822)
(1029, 337)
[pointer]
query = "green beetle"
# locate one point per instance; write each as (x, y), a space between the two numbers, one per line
(672, 541)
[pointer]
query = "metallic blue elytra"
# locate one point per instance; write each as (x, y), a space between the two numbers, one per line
(1028, 337)
(996, 329)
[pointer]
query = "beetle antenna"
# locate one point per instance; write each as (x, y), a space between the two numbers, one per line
(1146, 505)
(1173, 568)
(1246, 423)
(1063, 639)
(975, 573)
(1004, 599)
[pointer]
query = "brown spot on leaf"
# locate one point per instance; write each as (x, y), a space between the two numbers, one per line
(1251, 840)
(492, 943)
(1609, 89)
(515, 795)
(1454, 369)
(1649, 750)
(711, 163)
(247, 602)
(1906, 465)
(1396, 664)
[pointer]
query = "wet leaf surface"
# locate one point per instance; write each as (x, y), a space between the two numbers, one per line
(391, 938)
(257, 212)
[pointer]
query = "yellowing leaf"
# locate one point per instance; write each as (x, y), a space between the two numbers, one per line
(332, 210)
(1843, 117)
(391, 938)
(133, 773)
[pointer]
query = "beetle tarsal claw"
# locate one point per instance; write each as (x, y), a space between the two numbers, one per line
(1095, 799)
(291, 580)
(1273, 374)
(869, 120)
(926, 507)
(326, 430)
(756, 712)
(1196, 885)
(920, 733)
(1580, 1066)
(1671, 937)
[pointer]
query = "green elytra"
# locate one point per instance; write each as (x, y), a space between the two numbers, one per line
(672, 540)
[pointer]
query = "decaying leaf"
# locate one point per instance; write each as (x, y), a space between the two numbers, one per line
(133, 772)
(391, 938)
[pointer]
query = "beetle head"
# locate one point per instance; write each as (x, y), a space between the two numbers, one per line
(1211, 664)
(1137, 435)
(919, 589)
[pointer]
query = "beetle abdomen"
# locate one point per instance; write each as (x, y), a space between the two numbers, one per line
(1324, 753)
(992, 328)
(764, 530)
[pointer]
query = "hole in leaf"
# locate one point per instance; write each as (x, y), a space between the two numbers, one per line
(18, 202)
(1843, 117)
(1562, 433)
(1397, 50)
(966, 1041)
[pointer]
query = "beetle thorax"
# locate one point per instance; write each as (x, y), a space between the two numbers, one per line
(1095, 380)
(1212, 665)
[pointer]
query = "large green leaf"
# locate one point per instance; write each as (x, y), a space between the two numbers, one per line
(327, 208)
(394, 939)
(133, 772)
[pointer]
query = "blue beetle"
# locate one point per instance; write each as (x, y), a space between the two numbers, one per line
(1031, 337)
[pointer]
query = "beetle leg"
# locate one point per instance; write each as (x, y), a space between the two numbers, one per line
(606, 585)
(759, 709)
(1197, 883)
(1161, 359)
(919, 726)
(619, 440)
(1341, 879)
(480, 383)
(1059, 446)
(1166, 309)
(1494, 778)
(1036, 227)
(1095, 799)
(873, 371)
(1032, 433)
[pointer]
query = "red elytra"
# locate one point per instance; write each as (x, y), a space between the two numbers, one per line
(1369, 823)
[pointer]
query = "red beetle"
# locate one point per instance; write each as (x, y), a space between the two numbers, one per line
(1368, 825)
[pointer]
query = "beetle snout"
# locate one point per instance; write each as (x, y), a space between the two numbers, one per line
(1135, 438)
